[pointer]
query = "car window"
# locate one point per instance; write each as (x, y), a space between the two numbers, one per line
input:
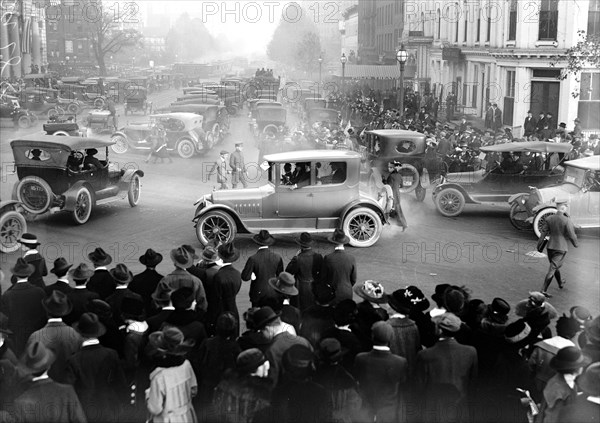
(36, 154)
(406, 146)
(333, 172)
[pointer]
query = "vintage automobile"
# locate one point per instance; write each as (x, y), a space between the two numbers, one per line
(215, 122)
(268, 119)
(319, 206)
(12, 115)
(198, 96)
(497, 184)
(314, 103)
(53, 177)
(580, 186)
(407, 147)
(12, 225)
(184, 135)
(64, 125)
(215, 102)
(79, 95)
(197, 90)
(136, 99)
(255, 105)
(99, 121)
(41, 101)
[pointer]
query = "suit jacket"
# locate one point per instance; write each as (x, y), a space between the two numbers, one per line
(102, 283)
(145, 284)
(63, 287)
(79, 297)
(229, 280)
(561, 231)
(529, 126)
(180, 278)
(265, 264)
(214, 296)
(406, 341)
(236, 161)
(155, 322)
(116, 299)
(22, 304)
(540, 125)
(47, 401)
(339, 270)
(37, 277)
(305, 266)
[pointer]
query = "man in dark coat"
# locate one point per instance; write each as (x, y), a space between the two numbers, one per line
(101, 282)
(319, 318)
(80, 295)
(530, 125)
(541, 123)
(145, 283)
(344, 331)
(207, 269)
(229, 279)
(33, 257)
(238, 167)
(122, 276)
(305, 266)
(394, 181)
(165, 307)
(493, 118)
(184, 317)
(261, 267)
(22, 305)
(339, 267)
(60, 269)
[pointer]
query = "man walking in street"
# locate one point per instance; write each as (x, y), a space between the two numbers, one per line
(238, 167)
(221, 170)
(561, 230)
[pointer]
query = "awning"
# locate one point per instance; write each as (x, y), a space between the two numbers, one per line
(370, 72)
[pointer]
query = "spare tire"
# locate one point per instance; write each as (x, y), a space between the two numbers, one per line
(409, 172)
(35, 194)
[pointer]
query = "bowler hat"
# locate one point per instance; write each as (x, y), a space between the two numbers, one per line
(60, 266)
(263, 238)
(338, 237)
(567, 359)
(121, 274)
(330, 350)
(371, 291)
(438, 296)
(228, 252)
(191, 250)
(447, 321)
(151, 258)
(263, 316)
(298, 361)
(209, 254)
(100, 308)
(305, 240)
(285, 284)
(589, 380)
(181, 258)
(249, 360)
(22, 269)
(29, 239)
(57, 304)
(381, 333)
(182, 298)
(170, 340)
(81, 272)
(100, 257)
(37, 358)
(89, 326)
(133, 308)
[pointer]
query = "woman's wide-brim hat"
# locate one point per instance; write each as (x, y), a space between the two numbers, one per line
(22, 269)
(171, 341)
(100, 257)
(284, 284)
(407, 299)
(228, 252)
(371, 291)
(89, 326)
(338, 237)
(263, 238)
(151, 258)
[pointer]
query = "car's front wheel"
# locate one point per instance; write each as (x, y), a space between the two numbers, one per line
(73, 108)
(518, 214)
(363, 226)
(216, 225)
(99, 103)
(24, 122)
(35, 194)
(450, 202)
(135, 189)
(83, 206)
(120, 146)
(186, 149)
(12, 226)
(540, 220)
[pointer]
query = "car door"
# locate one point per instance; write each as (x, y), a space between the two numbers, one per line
(584, 209)
(295, 203)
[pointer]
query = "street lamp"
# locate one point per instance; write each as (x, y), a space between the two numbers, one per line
(343, 59)
(401, 57)
(320, 69)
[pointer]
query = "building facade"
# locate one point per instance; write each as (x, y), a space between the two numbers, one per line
(380, 25)
(349, 32)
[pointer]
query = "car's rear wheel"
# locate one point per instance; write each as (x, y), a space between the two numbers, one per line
(420, 193)
(186, 149)
(450, 202)
(363, 226)
(12, 226)
(540, 220)
(135, 189)
(73, 108)
(410, 178)
(54, 111)
(24, 122)
(83, 206)
(61, 134)
(120, 146)
(216, 225)
(35, 194)
(99, 103)
(518, 214)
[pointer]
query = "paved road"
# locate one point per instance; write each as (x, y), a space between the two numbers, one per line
(479, 249)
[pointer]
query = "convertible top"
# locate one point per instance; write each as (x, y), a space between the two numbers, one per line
(592, 162)
(70, 143)
(395, 133)
(529, 146)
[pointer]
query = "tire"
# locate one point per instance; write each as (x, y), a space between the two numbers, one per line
(363, 226)
(186, 149)
(73, 108)
(540, 220)
(216, 225)
(420, 193)
(415, 178)
(12, 226)
(135, 189)
(54, 111)
(121, 146)
(99, 103)
(35, 194)
(83, 206)
(24, 122)
(61, 134)
(267, 128)
(450, 202)
(516, 211)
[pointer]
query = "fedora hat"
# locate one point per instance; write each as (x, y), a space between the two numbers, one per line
(37, 358)
(89, 326)
(22, 269)
(263, 238)
(100, 308)
(133, 308)
(170, 340)
(298, 361)
(567, 359)
(228, 252)
(210, 255)
(338, 237)
(57, 304)
(162, 295)
(29, 239)
(589, 380)
(60, 265)
(100, 257)
(81, 272)
(249, 360)
(438, 296)
(263, 316)
(305, 240)
(371, 291)
(191, 250)
(181, 258)
(285, 284)
(121, 274)
(151, 258)
(183, 298)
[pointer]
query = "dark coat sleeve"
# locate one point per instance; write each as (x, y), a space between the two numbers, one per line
(248, 269)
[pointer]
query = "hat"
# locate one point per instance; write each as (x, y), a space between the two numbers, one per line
(566, 359)
(371, 291)
(121, 274)
(22, 269)
(581, 314)
(298, 361)
(567, 327)
(249, 360)
(57, 304)
(499, 307)
(60, 265)
(517, 331)
(151, 258)
(228, 252)
(191, 250)
(100, 308)
(263, 316)
(263, 238)
(447, 321)
(592, 330)
(100, 257)
(330, 350)
(226, 324)
(381, 333)
(4, 325)
(162, 295)
(338, 237)
(133, 308)
(323, 292)
(209, 254)
(81, 272)
(285, 284)
(562, 125)
(589, 380)
(29, 239)
(182, 298)
(403, 300)
(345, 312)
(223, 152)
(91, 151)
(181, 258)
(89, 326)
(37, 358)
(577, 120)
(439, 290)
(239, 144)
(305, 240)
(537, 297)
(454, 300)
(170, 340)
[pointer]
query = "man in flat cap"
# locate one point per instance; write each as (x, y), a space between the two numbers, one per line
(238, 167)
(221, 170)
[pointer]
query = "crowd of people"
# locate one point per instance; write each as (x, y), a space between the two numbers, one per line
(98, 343)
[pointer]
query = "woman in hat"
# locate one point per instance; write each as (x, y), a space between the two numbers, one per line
(284, 290)
(369, 310)
(173, 383)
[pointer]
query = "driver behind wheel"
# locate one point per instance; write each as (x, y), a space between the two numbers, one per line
(90, 162)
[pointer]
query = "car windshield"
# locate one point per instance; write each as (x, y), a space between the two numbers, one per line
(574, 175)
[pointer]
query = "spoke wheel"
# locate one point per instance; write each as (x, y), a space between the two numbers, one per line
(450, 202)
(518, 214)
(135, 189)
(83, 206)
(215, 225)
(120, 145)
(363, 226)
(186, 149)
(12, 226)
(540, 220)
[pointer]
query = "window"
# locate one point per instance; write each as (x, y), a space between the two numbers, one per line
(466, 26)
(37, 155)
(548, 20)
(331, 172)
(510, 83)
(512, 21)
(475, 86)
(439, 24)
(589, 100)
(593, 27)
(478, 26)
(423, 23)
(488, 34)
(457, 21)
(406, 147)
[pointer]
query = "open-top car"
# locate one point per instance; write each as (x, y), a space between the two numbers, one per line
(63, 174)
(136, 99)
(63, 125)
(324, 195)
(524, 164)
(13, 115)
(580, 187)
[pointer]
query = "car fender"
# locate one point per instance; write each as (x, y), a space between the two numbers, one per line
(200, 211)
(10, 204)
(363, 202)
(541, 207)
(127, 176)
(439, 188)
(69, 195)
(517, 197)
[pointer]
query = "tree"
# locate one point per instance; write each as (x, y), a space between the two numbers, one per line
(178, 40)
(287, 36)
(583, 55)
(307, 52)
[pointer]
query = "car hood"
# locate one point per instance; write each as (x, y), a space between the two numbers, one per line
(230, 196)
(548, 194)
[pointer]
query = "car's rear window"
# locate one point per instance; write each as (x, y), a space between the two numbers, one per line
(36, 154)
(406, 146)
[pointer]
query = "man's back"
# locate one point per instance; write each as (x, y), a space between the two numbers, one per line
(561, 231)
